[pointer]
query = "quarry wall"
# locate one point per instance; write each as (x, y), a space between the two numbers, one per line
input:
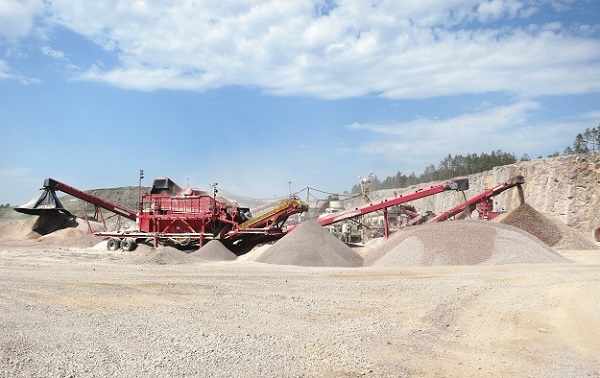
(566, 188)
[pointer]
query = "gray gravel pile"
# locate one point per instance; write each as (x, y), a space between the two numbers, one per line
(161, 255)
(551, 232)
(463, 242)
(311, 245)
(214, 250)
(575, 239)
(532, 221)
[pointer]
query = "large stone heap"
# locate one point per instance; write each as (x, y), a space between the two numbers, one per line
(310, 245)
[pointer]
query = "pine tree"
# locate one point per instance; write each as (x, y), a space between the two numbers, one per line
(580, 145)
(590, 136)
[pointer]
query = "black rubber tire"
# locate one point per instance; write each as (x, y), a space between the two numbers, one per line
(128, 244)
(113, 244)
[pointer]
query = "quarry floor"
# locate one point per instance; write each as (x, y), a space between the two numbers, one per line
(74, 312)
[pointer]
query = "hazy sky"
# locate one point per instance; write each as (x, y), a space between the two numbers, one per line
(255, 94)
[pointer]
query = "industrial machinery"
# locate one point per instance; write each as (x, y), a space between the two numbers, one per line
(183, 217)
(458, 184)
(410, 217)
(406, 215)
(483, 202)
(191, 217)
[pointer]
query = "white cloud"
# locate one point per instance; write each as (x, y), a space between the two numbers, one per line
(17, 18)
(397, 50)
(491, 119)
(491, 10)
(7, 74)
(509, 128)
(48, 51)
(590, 117)
(4, 70)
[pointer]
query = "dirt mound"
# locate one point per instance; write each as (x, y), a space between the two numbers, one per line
(50, 229)
(74, 236)
(310, 245)
(575, 239)
(254, 252)
(465, 242)
(145, 254)
(214, 250)
(532, 221)
(19, 230)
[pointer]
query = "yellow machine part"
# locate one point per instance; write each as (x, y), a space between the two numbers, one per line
(283, 205)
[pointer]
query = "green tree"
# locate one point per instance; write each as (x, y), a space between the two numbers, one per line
(580, 145)
(591, 137)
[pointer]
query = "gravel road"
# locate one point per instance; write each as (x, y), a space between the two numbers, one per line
(89, 313)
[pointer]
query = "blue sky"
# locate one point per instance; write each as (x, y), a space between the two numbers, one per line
(256, 94)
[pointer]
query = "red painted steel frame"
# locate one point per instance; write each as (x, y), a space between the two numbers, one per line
(482, 197)
(110, 206)
(456, 184)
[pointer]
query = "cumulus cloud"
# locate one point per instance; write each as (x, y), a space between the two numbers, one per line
(17, 18)
(493, 118)
(337, 49)
(507, 127)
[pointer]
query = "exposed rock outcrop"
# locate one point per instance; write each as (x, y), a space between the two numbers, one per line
(566, 188)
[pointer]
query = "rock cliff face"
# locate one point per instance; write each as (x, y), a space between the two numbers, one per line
(567, 188)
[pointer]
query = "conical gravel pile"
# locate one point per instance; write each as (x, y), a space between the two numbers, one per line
(311, 245)
(145, 254)
(464, 242)
(532, 221)
(214, 250)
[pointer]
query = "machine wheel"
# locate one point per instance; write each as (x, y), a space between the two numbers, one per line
(128, 244)
(184, 242)
(113, 244)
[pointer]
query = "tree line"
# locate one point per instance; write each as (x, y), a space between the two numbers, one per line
(585, 142)
(451, 166)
